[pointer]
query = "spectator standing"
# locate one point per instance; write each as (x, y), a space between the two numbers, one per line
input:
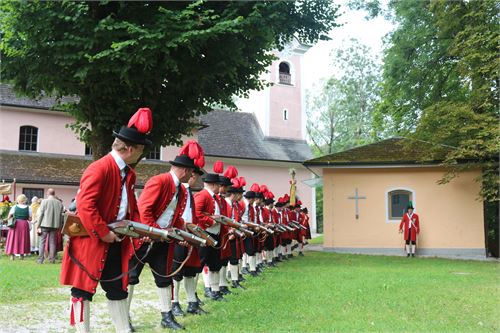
(18, 238)
(50, 219)
(34, 236)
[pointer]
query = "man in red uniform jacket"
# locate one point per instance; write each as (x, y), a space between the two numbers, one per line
(161, 205)
(206, 206)
(411, 225)
(106, 194)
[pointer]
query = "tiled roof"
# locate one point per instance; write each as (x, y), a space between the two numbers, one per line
(9, 97)
(386, 152)
(238, 135)
(40, 168)
(229, 134)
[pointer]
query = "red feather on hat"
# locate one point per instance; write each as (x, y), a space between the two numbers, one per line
(231, 172)
(200, 162)
(255, 187)
(218, 167)
(142, 120)
(270, 195)
(243, 181)
(194, 151)
(263, 189)
(298, 202)
(236, 183)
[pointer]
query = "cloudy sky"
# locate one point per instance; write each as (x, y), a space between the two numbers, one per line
(317, 61)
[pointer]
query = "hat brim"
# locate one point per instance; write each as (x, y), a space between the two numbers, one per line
(182, 165)
(142, 141)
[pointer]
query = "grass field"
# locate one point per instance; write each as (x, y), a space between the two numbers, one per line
(321, 292)
(317, 240)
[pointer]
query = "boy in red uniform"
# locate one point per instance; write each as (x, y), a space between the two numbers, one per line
(106, 194)
(411, 225)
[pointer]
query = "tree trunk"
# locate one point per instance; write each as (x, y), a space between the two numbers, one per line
(100, 141)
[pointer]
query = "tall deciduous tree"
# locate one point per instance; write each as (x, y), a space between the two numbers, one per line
(178, 58)
(440, 82)
(340, 115)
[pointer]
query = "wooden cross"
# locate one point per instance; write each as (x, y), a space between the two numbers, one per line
(357, 197)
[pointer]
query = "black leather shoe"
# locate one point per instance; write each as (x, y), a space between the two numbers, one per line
(168, 321)
(241, 278)
(413, 254)
(216, 296)
(301, 254)
(408, 255)
(290, 256)
(244, 270)
(254, 273)
(207, 292)
(271, 264)
(177, 310)
(200, 302)
(225, 290)
(236, 284)
(195, 309)
(258, 270)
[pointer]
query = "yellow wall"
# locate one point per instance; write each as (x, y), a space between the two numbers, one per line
(450, 215)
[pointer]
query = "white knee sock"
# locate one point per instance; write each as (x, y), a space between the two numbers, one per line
(413, 248)
(234, 272)
(82, 316)
(165, 297)
(289, 248)
(252, 261)
(269, 256)
(177, 285)
(206, 279)
(214, 280)
(189, 284)
(196, 279)
(222, 277)
(407, 249)
(244, 260)
(119, 315)
(283, 250)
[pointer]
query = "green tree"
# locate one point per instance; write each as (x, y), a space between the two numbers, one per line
(340, 115)
(440, 82)
(179, 58)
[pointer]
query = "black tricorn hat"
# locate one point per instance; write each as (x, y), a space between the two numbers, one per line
(131, 134)
(183, 161)
(249, 194)
(211, 178)
(259, 195)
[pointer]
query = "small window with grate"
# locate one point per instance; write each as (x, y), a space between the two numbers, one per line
(398, 200)
(154, 153)
(28, 138)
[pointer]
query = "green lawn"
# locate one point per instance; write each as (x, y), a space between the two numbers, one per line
(317, 240)
(321, 292)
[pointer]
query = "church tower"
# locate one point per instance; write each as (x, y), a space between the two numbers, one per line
(280, 108)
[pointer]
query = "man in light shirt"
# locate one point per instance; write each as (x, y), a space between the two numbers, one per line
(161, 205)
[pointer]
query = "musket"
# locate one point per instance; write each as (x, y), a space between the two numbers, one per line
(73, 227)
(278, 227)
(232, 223)
(297, 225)
(287, 227)
(256, 227)
(190, 238)
(138, 230)
(196, 230)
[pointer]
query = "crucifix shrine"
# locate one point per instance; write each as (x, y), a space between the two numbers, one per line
(356, 197)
